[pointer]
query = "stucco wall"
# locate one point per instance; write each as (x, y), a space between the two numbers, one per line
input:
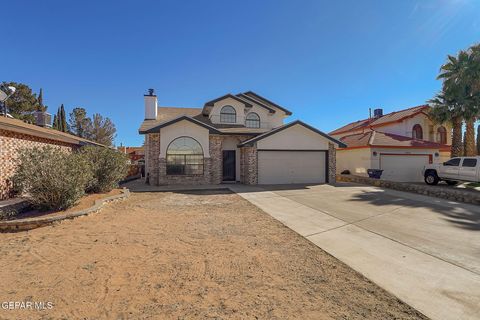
(357, 161)
(295, 137)
(267, 119)
(181, 129)
(10, 145)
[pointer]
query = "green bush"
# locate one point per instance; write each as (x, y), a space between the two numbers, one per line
(108, 167)
(55, 180)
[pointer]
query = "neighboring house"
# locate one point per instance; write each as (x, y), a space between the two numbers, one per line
(400, 143)
(16, 135)
(234, 138)
(135, 154)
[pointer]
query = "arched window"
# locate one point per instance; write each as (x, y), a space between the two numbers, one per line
(417, 132)
(442, 135)
(184, 157)
(228, 115)
(252, 120)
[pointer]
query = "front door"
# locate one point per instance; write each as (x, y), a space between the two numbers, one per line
(229, 165)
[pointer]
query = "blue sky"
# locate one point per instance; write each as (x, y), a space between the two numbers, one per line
(327, 61)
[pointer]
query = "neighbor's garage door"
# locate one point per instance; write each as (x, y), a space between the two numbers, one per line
(403, 168)
(278, 167)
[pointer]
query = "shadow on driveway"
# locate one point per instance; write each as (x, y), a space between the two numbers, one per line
(462, 215)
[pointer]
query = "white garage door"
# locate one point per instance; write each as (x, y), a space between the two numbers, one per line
(403, 168)
(278, 167)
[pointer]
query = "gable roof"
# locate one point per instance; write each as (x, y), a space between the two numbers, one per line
(260, 98)
(170, 113)
(260, 103)
(249, 142)
(175, 120)
(388, 140)
(392, 117)
(228, 95)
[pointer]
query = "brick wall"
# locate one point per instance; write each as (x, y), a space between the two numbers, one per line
(332, 164)
(249, 165)
(153, 154)
(216, 157)
(157, 167)
(10, 145)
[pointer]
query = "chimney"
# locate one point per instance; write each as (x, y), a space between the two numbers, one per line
(377, 113)
(150, 105)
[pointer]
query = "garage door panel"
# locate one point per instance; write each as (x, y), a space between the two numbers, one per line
(279, 167)
(403, 168)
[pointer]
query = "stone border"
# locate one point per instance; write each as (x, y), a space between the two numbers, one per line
(32, 223)
(432, 191)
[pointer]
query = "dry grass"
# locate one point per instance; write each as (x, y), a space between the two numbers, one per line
(183, 256)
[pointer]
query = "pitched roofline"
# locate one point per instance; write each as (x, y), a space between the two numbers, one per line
(175, 120)
(395, 147)
(259, 97)
(249, 142)
(228, 95)
(371, 140)
(369, 125)
(256, 101)
(399, 120)
(334, 132)
(16, 125)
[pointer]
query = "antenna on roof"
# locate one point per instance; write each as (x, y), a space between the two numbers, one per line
(369, 113)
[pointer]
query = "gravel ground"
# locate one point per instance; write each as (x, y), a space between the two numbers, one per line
(198, 255)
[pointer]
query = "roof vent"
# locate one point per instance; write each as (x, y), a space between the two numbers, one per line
(43, 119)
(377, 113)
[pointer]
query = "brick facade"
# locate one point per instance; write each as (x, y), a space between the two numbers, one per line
(10, 145)
(249, 165)
(157, 169)
(153, 156)
(332, 163)
(216, 158)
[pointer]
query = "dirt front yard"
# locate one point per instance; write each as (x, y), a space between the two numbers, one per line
(199, 255)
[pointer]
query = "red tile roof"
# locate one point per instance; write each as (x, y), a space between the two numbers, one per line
(376, 122)
(387, 140)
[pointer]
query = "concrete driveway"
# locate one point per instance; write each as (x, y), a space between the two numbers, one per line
(424, 250)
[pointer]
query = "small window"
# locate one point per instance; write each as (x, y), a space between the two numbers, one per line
(469, 162)
(417, 132)
(442, 135)
(455, 162)
(184, 157)
(228, 115)
(252, 120)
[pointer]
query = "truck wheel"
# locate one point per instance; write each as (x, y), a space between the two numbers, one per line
(451, 182)
(431, 178)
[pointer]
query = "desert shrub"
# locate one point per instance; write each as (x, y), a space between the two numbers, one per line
(52, 178)
(108, 167)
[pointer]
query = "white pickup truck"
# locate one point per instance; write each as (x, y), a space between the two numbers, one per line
(453, 170)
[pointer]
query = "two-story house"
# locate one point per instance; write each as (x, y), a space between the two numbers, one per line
(234, 138)
(400, 143)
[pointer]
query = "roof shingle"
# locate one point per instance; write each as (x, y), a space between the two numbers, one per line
(381, 139)
(387, 118)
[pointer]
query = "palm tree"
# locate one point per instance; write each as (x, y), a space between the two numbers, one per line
(460, 80)
(445, 110)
